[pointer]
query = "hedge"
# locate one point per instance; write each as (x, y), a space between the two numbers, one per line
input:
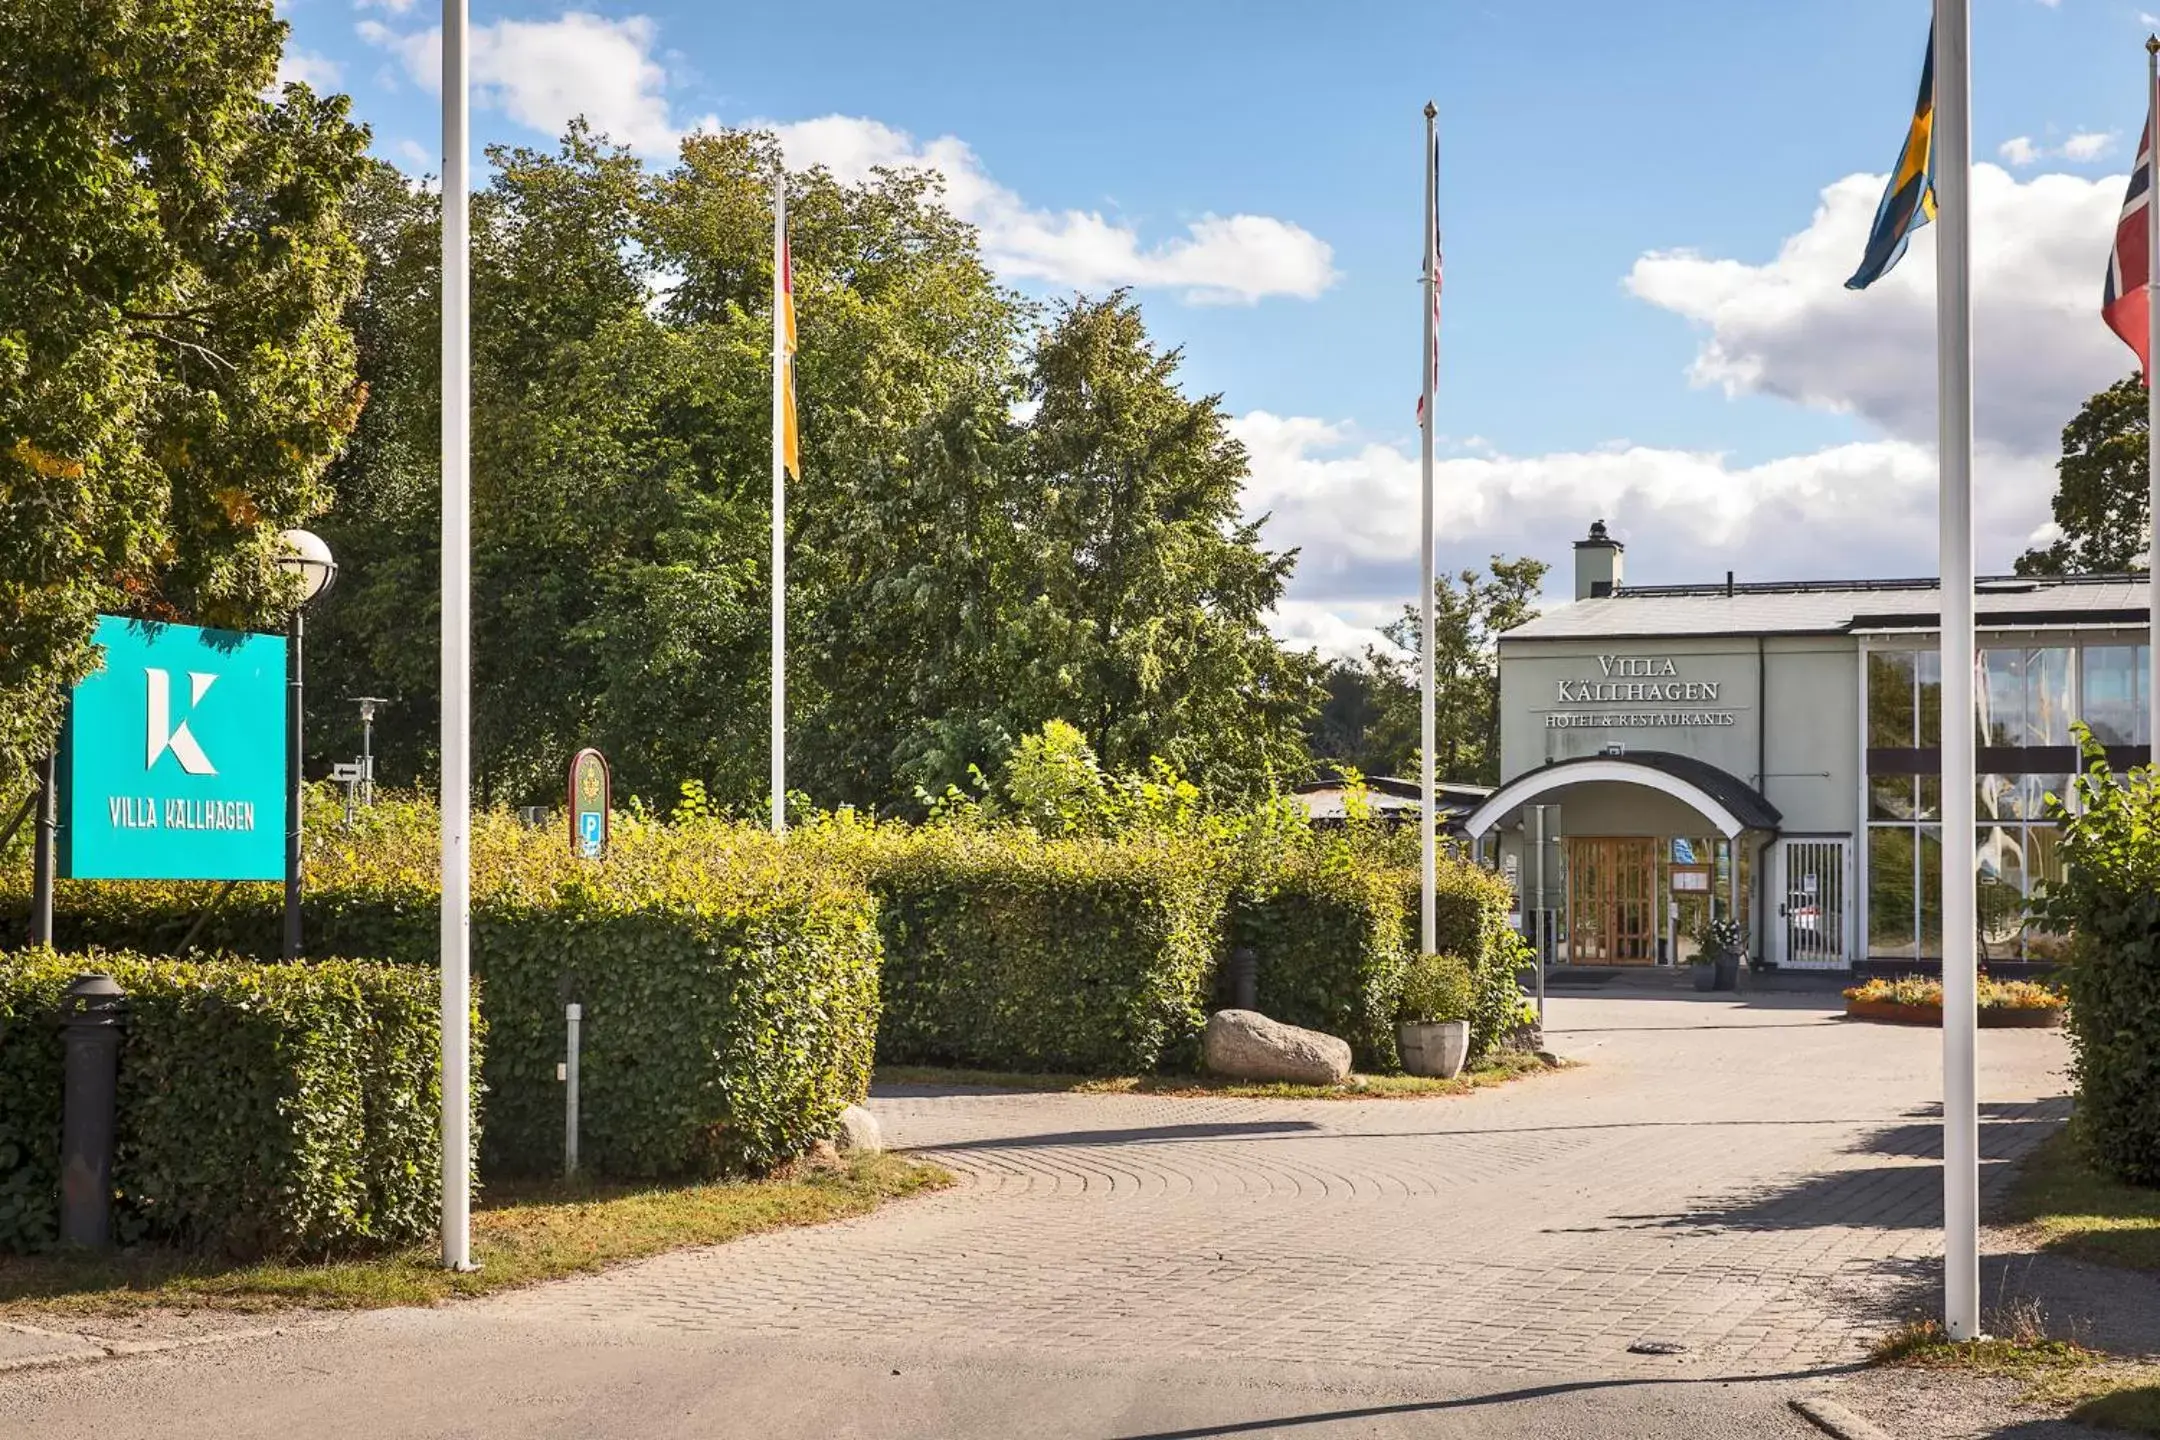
(1014, 952)
(262, 1109)
(1327, 935)
(2109, 900)
(730, 992)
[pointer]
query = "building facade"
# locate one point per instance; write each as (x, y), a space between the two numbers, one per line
(1671, 753)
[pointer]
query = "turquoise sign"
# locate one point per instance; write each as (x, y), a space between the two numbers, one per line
(175, 757)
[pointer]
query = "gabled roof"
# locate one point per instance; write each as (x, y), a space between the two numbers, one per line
(1838, 607)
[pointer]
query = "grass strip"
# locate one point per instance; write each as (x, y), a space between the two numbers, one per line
(2075, 1210)
(523, 1233)
(1498, 1070)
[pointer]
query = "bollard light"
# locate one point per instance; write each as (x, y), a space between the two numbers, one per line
(93, 1011)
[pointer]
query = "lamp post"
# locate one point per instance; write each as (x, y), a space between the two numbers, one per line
(305, 557)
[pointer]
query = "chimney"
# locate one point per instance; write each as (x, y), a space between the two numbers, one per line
(1597, 564)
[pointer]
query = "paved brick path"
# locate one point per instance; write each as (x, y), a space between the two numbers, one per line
(1751, 1180)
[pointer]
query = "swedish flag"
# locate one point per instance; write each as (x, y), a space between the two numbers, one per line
(1908, 201)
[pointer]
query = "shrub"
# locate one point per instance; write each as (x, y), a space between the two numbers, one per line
(1328, 935)
(1008, 950)
(2109, 899)
(263, 1109)
(1436, 988)
(1926, 990)
(1470, 919)
(730, 991)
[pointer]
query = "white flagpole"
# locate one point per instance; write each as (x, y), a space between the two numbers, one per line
(456, 797)
(1954, 376)
(780, 381)
(2152, 395)
(1429, 814)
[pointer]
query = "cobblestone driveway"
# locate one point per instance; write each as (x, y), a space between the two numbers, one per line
(1751, 1179)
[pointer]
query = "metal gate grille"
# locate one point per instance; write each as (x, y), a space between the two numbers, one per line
(1812, 910)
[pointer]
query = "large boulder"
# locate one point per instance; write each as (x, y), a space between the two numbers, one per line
(857, 1132)
(1246, 1045)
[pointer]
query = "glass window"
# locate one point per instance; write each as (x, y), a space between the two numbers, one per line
(2112, 699)
(1930, 797)
(2037, 790)
(1927, 668)
(1890, 699)
(1890, 891)
(1999, 697)
(1996, 797)
(2048, 706)
(1890, 797)
(1931, 911)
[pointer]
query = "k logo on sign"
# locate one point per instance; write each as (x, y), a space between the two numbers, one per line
(163, 734)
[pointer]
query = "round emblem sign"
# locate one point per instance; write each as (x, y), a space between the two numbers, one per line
(589, 804)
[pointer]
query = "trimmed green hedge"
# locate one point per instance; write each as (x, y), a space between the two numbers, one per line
(730, 991)
(1328, 936)
(1014, 952)
(263, 1109)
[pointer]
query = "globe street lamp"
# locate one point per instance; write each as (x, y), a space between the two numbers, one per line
(303, 555)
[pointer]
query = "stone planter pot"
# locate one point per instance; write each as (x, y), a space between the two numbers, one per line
(1434, 1048)
(1728, 972)
(1705, 975)
(1889, 1012)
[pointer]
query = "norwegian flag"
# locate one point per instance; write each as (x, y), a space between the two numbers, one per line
(1433, 360)
(2124, 305)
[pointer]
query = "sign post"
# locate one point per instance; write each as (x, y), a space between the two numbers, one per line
(175, 761)
(590, 787)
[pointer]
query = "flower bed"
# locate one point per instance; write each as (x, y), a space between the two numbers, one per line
(1917, 1000)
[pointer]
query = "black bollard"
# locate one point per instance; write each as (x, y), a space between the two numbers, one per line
(92, 1013)
(1244, 979)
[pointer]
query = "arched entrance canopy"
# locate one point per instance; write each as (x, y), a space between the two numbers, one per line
(1727, 802)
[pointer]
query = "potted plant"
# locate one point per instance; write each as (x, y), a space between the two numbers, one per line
(1432, 1015)
(1723, 943)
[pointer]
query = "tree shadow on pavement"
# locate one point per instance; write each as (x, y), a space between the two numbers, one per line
(1147, 1135)
(1473, 1402)
(1893, 1197)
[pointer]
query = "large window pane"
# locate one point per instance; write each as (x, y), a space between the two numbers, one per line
(2000, 891)
(1996, 797)
(1927, 674)
(1891, 896)
(1931, 909)
(2037, 789)
(1890, 797)
(1890, 699)
(1999, 697)
(2043, 867)
(1930, 797)
(2113, 693)
(2047, 696)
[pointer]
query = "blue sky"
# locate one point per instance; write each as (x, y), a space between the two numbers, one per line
(1724, 404)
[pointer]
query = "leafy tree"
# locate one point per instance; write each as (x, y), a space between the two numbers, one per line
(174, 376)
(1148, 627)
(1372, 720)
(2101, 500)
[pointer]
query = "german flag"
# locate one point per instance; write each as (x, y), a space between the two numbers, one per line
(1908, 201)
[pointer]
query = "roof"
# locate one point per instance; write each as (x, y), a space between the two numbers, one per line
(1446, 790)
(1743, 801)
(1839, 607)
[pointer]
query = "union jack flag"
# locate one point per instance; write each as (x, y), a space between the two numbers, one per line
(1433, 360)
(2124, 303)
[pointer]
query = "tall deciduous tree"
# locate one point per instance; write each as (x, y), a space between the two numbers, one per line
(174, 374)
(1148, 626)
(2102, 511)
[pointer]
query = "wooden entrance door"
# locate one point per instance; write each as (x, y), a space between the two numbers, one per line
(1612, 900)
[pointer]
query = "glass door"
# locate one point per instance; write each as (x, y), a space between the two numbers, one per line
(1814, 879)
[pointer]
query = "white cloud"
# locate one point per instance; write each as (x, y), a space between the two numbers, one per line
(542, 73)
(1219, 258)
(394, 7)
(2019, 150)
(416, 155)
(2087, 145)
(1788, 327)
(316, 71)
(1850, 511)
